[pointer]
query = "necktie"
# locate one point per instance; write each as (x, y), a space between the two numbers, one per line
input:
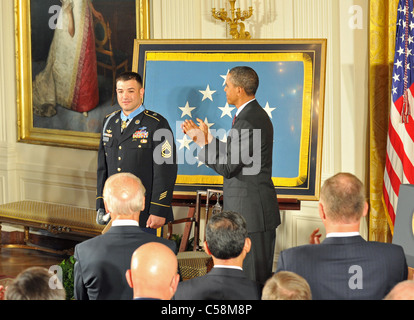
(234, 119)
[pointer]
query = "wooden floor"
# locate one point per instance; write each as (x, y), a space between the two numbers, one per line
(13, 261)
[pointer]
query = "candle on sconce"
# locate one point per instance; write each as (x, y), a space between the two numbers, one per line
(234, 16)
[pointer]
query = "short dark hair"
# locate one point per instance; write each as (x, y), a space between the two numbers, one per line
(129, 75)
(226, 234)
(246, 78)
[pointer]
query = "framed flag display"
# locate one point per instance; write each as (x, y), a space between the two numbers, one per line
(186, 79)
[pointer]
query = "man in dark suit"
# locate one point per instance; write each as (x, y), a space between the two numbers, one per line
(101, 262)
(139, 141)
(228, 243)
(344, 265)
(245, 162)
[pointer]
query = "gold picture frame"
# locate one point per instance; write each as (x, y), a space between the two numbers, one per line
(61, 137)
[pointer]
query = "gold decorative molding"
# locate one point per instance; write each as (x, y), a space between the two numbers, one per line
(143, 19)
(234, 20)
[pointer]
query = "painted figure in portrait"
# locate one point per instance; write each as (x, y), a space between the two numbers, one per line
(70, 76)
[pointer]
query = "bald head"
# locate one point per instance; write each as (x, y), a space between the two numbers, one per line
(153, 272)
(402, 291)
(343, 198)
(124, 195)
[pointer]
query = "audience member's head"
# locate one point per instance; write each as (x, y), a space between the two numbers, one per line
(124, 196)
(34, 283)
(402, 291)
(154, 272)
(227, 238)
(286, 285)
(342, 203)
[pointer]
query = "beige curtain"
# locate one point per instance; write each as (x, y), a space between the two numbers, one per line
(383, 15)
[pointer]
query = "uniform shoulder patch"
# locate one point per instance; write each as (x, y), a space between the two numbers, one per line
(153, 115)
(112, 113)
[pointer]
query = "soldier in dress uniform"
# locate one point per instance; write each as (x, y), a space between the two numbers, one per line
(141, 142)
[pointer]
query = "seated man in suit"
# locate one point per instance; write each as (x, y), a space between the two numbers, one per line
(153, 274)
(228, 243)
(344, 265)
(101, 262)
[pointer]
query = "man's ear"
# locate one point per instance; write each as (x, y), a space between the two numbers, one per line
(321, 211)
(247, 245)
(174, 284)
(143, 204)
(206, 248)
(128, 276)
(366, 207)
(106, 206)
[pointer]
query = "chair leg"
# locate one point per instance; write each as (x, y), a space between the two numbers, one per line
(187, 231)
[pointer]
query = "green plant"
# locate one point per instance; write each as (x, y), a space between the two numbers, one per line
(177, 239)
(67, 266)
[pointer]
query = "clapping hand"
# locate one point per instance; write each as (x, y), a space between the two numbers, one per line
(199, 134)
(314, 238)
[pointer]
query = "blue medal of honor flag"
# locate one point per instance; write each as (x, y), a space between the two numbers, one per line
(181, 90)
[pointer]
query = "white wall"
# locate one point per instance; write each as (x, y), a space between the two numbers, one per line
(68, 175)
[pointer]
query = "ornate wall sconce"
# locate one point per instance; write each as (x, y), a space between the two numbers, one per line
(234, 19)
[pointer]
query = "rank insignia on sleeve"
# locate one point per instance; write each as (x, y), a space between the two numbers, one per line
(163, 195)
(166, 151)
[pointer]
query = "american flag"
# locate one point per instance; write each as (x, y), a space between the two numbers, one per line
(400, 145)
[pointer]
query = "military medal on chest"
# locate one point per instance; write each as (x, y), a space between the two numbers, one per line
(141, 133)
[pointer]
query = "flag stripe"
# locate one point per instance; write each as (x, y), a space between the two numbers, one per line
(396, 140)
(391, 168)
(389, 198)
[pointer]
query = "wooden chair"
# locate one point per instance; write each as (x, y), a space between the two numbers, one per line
(193, 217)
(106, 57)
(193, 263)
